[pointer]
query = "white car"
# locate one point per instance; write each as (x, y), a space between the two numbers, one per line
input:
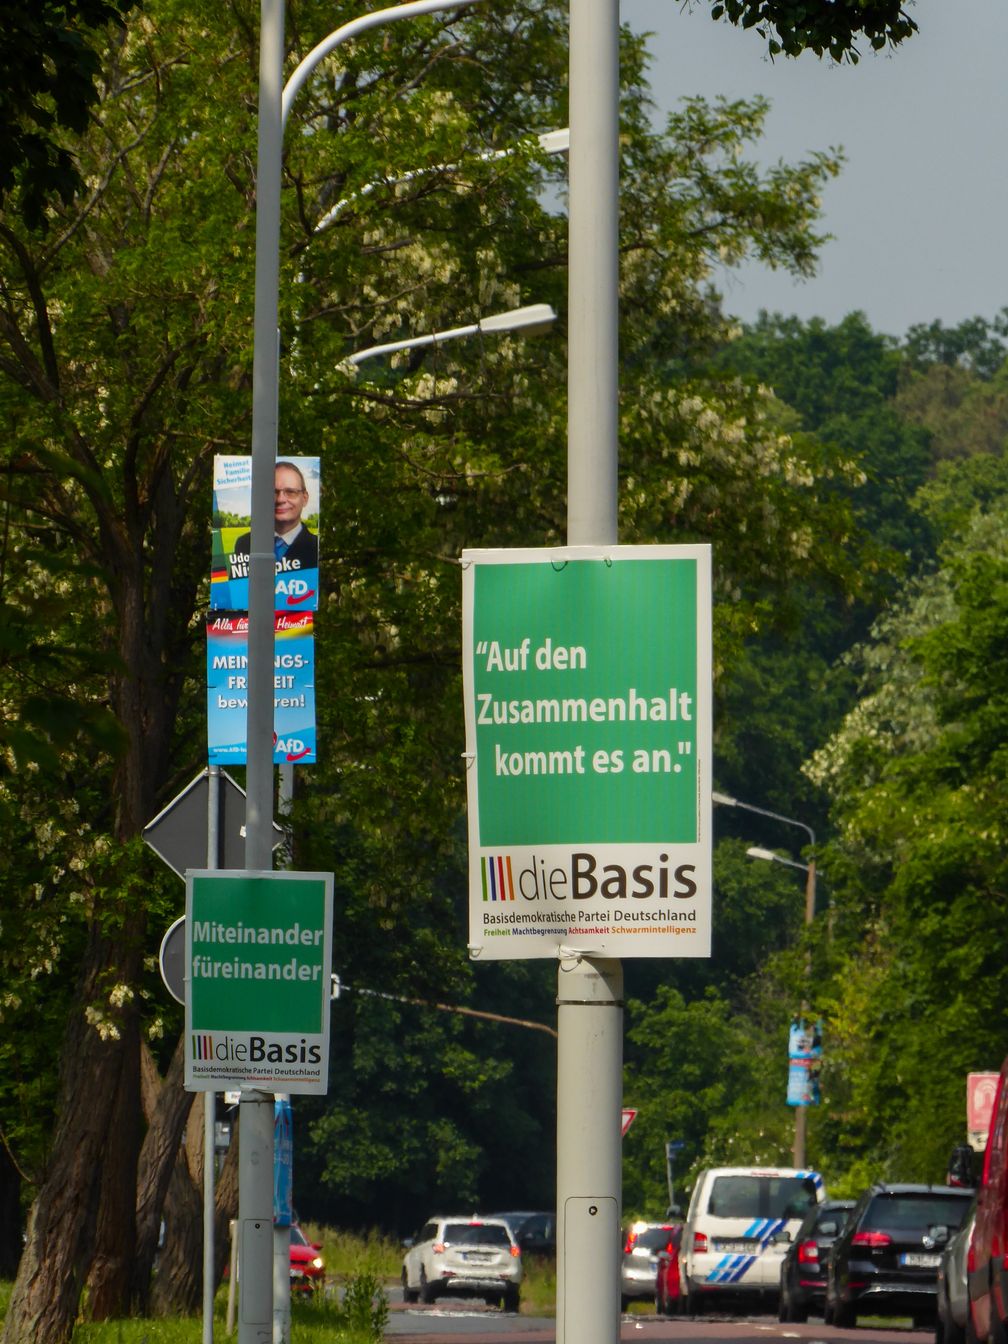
(953, 1298)
(464, 1257)
(740, 1223)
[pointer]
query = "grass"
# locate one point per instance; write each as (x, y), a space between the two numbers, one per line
(362, 1274)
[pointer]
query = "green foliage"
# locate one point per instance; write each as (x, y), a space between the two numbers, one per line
(125, 364)
(364, 1309)
(704, 1073)
(916, 774)
(49, 82)
(794, 26)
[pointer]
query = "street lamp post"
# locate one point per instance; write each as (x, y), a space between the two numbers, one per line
(255, 1165)
(590, 989)
(809, 869)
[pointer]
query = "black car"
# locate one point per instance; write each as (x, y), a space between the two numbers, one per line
(803, 1269)
(537, 1235)
(885, 1261)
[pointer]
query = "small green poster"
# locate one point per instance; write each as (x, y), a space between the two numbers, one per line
(258, 978)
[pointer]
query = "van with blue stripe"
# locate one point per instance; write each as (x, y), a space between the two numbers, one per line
(739, 1225)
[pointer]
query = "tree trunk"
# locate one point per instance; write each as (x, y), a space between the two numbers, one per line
(63, 1220)
(167, 1107)
(111, 1276)
(226, 1204)
(178, 1285)
(10, 1214)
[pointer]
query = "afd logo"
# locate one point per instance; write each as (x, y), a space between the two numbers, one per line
(584, 876)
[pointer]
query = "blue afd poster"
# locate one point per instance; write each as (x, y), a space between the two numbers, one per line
(293, 688)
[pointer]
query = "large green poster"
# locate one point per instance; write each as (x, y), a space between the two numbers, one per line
(587, 677)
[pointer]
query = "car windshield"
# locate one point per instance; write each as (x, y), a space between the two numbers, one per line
(476, 1234)
(653, 1238)
(298, 1238)
(829, 1221)
(761, 1196)
(899, 1212)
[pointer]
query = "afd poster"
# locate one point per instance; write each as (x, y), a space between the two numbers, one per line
(295, 543)
(804, 1062)
(294, 738)
(587, 682)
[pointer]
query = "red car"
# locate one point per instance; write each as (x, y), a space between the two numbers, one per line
(669, 1297)
(987, 1257)
(307, 1268)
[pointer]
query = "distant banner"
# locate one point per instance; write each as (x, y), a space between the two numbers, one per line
(804, 1063)
(293, 689)
(295, 523)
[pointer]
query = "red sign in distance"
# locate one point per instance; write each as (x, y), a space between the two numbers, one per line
(629, 1116)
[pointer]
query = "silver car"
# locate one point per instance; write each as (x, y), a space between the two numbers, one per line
(952, 1305)
(463, 1257)
(639, 1270)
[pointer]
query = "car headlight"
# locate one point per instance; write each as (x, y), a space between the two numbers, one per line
(317, 1263)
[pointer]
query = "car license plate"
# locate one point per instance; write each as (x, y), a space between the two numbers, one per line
(919, 1260)
(739, 1246)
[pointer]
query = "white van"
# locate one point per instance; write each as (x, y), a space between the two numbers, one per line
(738, 1227)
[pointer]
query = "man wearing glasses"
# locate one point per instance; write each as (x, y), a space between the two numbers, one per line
(294, 546)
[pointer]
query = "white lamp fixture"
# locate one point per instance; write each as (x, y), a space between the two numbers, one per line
(533, 320)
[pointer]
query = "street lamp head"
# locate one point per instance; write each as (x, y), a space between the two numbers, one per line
(723, 799)
(532, 320)
(756, 852)
(555, 142)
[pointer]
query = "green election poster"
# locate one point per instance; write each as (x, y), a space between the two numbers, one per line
(587, 676)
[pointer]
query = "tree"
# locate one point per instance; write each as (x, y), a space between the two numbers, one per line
(791, 26)
(49, 71)
(916, 774)
(125, 365)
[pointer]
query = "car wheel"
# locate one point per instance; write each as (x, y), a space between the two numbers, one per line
(511, 1300)
(784, 1303)
(799, 1313)
(948, 1331)
(844, 1316)
(409, 1294)
(427, 1293)
(970, 1332)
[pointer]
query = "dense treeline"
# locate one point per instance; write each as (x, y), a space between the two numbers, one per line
(878, 721)
(851, 486)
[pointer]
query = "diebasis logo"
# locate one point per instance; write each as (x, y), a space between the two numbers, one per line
(498, 880)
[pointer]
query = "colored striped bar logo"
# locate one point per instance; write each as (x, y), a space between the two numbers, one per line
(498, 884)
(202, 1046)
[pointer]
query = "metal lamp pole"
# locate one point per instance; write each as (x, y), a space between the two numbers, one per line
(589, 989)
(809, 869)
(255, 1167)
(801, 1117)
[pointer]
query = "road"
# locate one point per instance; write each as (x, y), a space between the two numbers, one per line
(465, 1323)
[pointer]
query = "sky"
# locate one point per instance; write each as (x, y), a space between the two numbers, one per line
(918, 213)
